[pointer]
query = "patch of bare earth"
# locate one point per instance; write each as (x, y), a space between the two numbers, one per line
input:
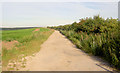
(9, 45)
(36, 30)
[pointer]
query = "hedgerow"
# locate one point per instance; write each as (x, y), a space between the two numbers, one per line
(97, 36)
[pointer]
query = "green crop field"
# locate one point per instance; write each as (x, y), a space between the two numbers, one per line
(9, 35)
(29, 42)
(19, 35)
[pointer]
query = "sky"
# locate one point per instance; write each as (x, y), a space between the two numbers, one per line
(42, 14)
(59, 0)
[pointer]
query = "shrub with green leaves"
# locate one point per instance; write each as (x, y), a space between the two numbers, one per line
(97, 36)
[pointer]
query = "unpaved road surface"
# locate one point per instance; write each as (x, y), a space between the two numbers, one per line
(59, 54)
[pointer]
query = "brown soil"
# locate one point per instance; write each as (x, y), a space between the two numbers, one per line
(9, 45)
(36, 30)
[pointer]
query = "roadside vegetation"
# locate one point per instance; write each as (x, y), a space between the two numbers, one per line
(0, 51)
(29, 41)
(96, 36)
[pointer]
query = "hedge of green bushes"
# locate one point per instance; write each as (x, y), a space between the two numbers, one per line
(98, 36)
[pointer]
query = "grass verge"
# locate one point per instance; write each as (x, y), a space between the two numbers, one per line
(29, 42)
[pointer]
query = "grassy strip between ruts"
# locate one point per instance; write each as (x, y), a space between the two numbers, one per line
(29, 42)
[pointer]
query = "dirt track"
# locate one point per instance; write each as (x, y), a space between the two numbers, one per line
(59, 54)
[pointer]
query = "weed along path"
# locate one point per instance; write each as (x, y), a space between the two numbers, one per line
(59, 54)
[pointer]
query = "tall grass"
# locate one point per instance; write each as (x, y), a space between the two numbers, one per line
(96, 36)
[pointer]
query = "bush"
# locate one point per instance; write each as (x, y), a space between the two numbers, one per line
(97, 36)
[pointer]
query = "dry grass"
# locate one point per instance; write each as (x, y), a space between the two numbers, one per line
(27, 47)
